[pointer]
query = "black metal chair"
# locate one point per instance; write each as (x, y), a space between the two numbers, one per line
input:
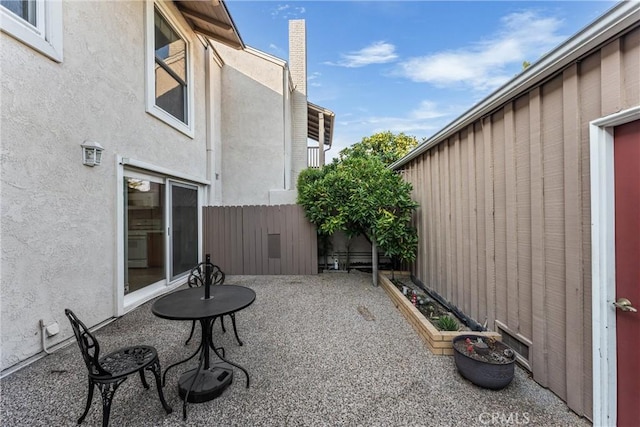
(198, 277)
(109, 371)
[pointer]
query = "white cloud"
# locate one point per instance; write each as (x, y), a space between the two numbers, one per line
(524, 36)
(427, 110)
(410, 126)
(276, 50)
(376, 53)
(314, 76)
(423, 121)
(287, 11)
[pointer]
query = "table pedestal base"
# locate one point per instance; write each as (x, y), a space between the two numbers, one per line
(209, 383)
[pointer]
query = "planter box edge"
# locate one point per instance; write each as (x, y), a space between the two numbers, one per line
(438, 342)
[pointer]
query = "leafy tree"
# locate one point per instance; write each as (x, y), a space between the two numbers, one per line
(385, 145)
(359, 194)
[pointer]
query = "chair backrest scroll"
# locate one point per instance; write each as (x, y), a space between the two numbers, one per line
(88, 344)
(203, 272)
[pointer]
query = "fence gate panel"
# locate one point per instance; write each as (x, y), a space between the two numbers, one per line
(260, 240)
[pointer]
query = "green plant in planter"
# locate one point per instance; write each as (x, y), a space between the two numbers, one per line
(447, 323)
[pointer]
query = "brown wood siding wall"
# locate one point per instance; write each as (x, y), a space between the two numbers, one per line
(237, 237)
(504, 216)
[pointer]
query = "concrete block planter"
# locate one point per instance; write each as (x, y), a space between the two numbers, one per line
(438, 342)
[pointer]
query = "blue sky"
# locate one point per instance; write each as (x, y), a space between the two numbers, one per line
(410, 66)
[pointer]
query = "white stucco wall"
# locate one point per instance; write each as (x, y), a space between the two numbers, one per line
(58, 216)
(253, 126)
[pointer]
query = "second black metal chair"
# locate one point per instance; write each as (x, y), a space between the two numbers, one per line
(111, 370)
(198, 277)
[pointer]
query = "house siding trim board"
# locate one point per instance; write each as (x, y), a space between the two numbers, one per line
(525, 211)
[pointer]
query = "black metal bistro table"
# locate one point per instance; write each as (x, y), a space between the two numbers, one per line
(202, 384)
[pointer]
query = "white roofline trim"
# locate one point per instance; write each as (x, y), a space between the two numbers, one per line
(265, 56)
(214, 53)
(620, 17)
(236, 32)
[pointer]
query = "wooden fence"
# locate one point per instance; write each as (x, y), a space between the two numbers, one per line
(260, 240)
(505, 215)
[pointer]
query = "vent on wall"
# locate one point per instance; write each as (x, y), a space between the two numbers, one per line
(273, 243)
(519, 344)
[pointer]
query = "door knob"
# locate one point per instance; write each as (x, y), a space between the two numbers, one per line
(625, 305)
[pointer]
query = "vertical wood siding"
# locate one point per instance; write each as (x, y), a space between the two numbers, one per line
(504, 216)
(238, 238)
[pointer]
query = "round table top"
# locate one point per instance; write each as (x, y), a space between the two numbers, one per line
(189, 304)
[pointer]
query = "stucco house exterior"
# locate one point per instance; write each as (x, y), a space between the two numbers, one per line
(187, 116)
(256, 171)
(529, 217)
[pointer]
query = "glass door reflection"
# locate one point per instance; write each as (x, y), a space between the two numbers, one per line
(144, 232)
(184, 228)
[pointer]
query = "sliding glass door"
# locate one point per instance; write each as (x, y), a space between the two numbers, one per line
(184, 228)
(144, 200)
(160, 230)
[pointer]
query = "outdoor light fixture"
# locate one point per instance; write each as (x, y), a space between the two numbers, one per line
(91, 153)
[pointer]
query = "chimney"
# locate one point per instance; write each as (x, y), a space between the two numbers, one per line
(298, 54)
(298, 70)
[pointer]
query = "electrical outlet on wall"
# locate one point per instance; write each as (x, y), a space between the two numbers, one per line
(50, 329)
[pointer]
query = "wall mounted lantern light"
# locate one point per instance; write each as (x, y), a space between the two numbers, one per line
(91, 153)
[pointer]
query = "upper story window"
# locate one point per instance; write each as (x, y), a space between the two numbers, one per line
(171, 69)
(26, 10)
(169, 93)
(36, 23)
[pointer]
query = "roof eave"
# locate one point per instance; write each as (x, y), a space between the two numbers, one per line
(312, 111)
(212, 20)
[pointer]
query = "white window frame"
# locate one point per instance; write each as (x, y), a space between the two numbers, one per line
(176, 21)
(46, 36)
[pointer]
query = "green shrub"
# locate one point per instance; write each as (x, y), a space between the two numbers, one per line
(447, 323)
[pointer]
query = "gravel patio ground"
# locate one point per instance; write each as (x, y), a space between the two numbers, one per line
(325, 350)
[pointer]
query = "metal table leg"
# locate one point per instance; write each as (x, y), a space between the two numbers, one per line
(203, 383)
(221, 357)
(164, 376)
